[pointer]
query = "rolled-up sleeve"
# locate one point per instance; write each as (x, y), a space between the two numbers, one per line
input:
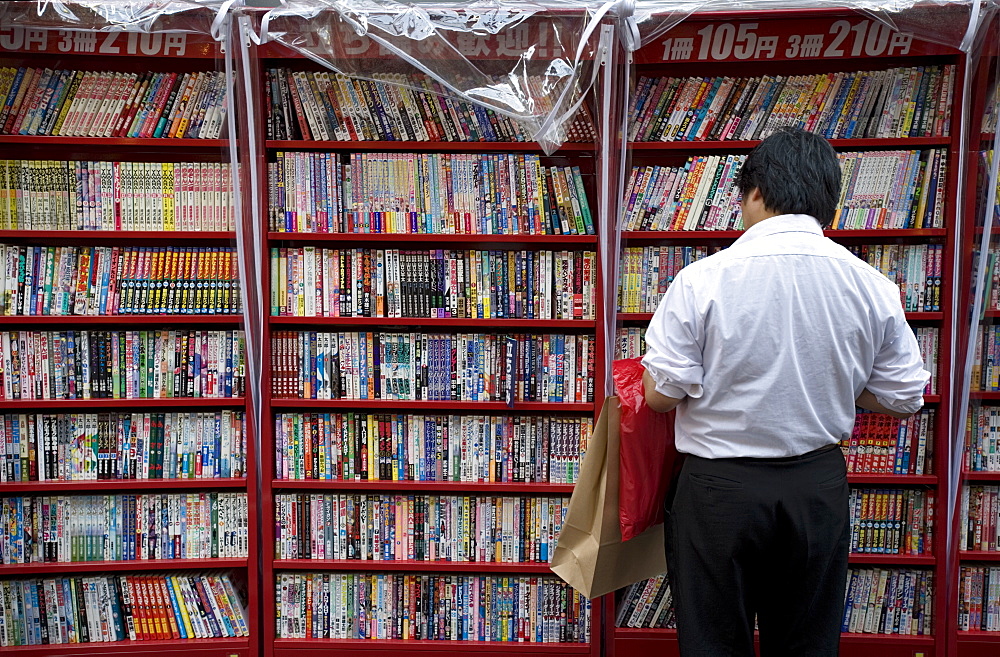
(674, 343)
(898, 376)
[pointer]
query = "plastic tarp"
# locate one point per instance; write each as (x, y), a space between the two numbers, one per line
(532, 62)
(980, 241)
(140, 16)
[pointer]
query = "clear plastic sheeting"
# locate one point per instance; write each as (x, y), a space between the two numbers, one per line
(531, 62)
(192, 36)
(947, 22)
(978, 300)
(134, 16)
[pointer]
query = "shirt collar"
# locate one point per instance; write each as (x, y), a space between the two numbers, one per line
(782, 223)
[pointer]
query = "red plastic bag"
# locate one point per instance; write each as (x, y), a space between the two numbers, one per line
(649, 458)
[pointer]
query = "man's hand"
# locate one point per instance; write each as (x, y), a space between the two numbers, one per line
(656, 400)
(867, 401)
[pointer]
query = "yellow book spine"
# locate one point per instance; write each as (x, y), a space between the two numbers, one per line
(186, 618)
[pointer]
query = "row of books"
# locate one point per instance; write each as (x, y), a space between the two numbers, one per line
(313, 281)
(892, 521)
(442, 528)
(121, 364)
(436, 367)
(648, 603)
(990, 112)
(879, 189)
(44, 101)
(105, 195)
(979, 524)
(985, 375)
(430, 607)
(879, 601)
(114, 446)
(646, 272)
(897, 102)
(892, 189)
(62, 528)
(982, 439)
(914, 268)
(978, 592)
(701, 194)
(991, 291)
(880, 444)
(468, 193)
(110, 608)
(392, 107)
(630, 342)
(889, 601)
(393, 447)
(929, 342)
(118, 280)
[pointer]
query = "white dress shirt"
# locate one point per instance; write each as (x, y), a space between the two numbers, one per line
(771, 341)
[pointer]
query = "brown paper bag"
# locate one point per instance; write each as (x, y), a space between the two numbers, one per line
(590, 555)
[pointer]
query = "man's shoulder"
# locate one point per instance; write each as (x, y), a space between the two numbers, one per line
(737, 255)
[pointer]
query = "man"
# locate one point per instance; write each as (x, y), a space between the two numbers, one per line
(765, 349)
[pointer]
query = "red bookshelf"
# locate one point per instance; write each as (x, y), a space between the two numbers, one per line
(714, 53)
(159, 50)
(265, 60)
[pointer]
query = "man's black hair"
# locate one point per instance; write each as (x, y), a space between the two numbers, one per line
(797, 172)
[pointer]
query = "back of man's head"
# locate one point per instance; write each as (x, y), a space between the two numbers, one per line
(797, 172)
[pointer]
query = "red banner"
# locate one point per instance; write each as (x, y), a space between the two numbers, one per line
(783, 40)
(15, 38)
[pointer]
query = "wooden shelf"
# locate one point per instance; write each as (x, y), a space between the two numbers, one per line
(186, 647)
(721, 235)
(535, 324)
(493, 487)
(980, 475)
(645, 633)
(991, 395)
(121, 566)
(66, 487)
(680, 235)
(131, 237)
(413, 566)
(561, 241)
(425, 146)
(7, 405)
(978, 555)
(839, 144)
(387, 647)
(46, 141)
(891, 639)
(910, 317)
(120, 320)
(432, 406)
(865, 478)
(893, 560)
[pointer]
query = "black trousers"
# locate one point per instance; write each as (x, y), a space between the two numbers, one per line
(764, 538)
